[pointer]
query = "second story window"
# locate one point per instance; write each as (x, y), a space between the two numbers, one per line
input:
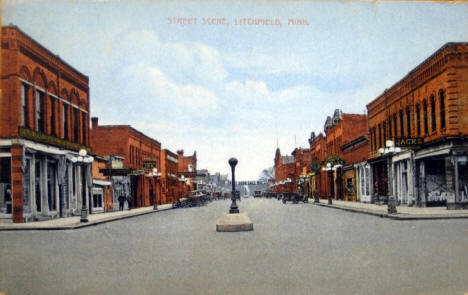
(384, 127)
(39, 111)
(401, 124)
(24, 105)
(418, 119)
(426, 126)
(83, 123)
(65, 120)
(76, 126)
(442, 109)
(433, 113)
(53, 116)
(390, 135)
(408, 121)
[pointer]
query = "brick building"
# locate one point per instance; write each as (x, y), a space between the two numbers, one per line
(318, 152)
(44, 113)
(137, 150)
(101, 193)
(355, 155)
(302, 161)
(170, 182)
(427, 106)
(187, 169)
(341, 131)
(285, 171)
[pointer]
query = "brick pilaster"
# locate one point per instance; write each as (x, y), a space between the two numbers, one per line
(17, 182)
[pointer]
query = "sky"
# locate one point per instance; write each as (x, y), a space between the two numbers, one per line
(233, 87)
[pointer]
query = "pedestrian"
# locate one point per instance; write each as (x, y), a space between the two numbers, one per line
(121, 202)
(129, 201)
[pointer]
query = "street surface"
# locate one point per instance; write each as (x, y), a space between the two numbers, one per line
(294, 249)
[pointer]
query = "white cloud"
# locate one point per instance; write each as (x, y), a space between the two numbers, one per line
(153, 88)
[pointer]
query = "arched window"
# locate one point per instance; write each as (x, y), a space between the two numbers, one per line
(390, 135)
(395, 124)
(65, 120)
(380, 135)
(39, 110)
(433, 113)
(24, 105)
(401, 124)
(418, 119)
(408, 121)
(442, 108)
(384, 127)
(426, 126)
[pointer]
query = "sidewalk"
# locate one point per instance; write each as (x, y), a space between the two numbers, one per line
(404, 212)
(74, 222)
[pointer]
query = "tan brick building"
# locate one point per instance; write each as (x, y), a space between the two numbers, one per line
(44, 113)
(428, 106)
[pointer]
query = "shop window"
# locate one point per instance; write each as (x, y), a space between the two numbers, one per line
(442, 109)
(367, 176)
(74, 180)
(24, 104)
(27, 186)
(97, 197)
(5, 185)
(51, 187)
(38, 186)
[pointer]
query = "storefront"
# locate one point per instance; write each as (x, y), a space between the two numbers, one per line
(52, 182)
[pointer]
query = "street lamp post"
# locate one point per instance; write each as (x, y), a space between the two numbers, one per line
(83, 159)
(329, 170)
(389, 150)
(234, 209)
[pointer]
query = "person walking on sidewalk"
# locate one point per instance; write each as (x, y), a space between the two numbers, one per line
(129, 201)
(121, 202)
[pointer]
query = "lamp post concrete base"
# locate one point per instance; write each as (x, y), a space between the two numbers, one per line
(84, 215)
(234, 223)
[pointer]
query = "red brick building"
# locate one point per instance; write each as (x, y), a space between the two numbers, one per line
(187, 170)
(101, 193)
(430, 105)
(285, 171)
(137, 149)
(341, 130)
(318, 180)
(170, 182)
(44, 113)
(302, 161)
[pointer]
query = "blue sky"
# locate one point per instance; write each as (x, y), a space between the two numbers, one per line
(229, 91)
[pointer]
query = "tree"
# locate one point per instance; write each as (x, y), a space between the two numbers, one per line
(267, 174)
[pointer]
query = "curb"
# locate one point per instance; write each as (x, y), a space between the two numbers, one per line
(397, 216)
(81, 225)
